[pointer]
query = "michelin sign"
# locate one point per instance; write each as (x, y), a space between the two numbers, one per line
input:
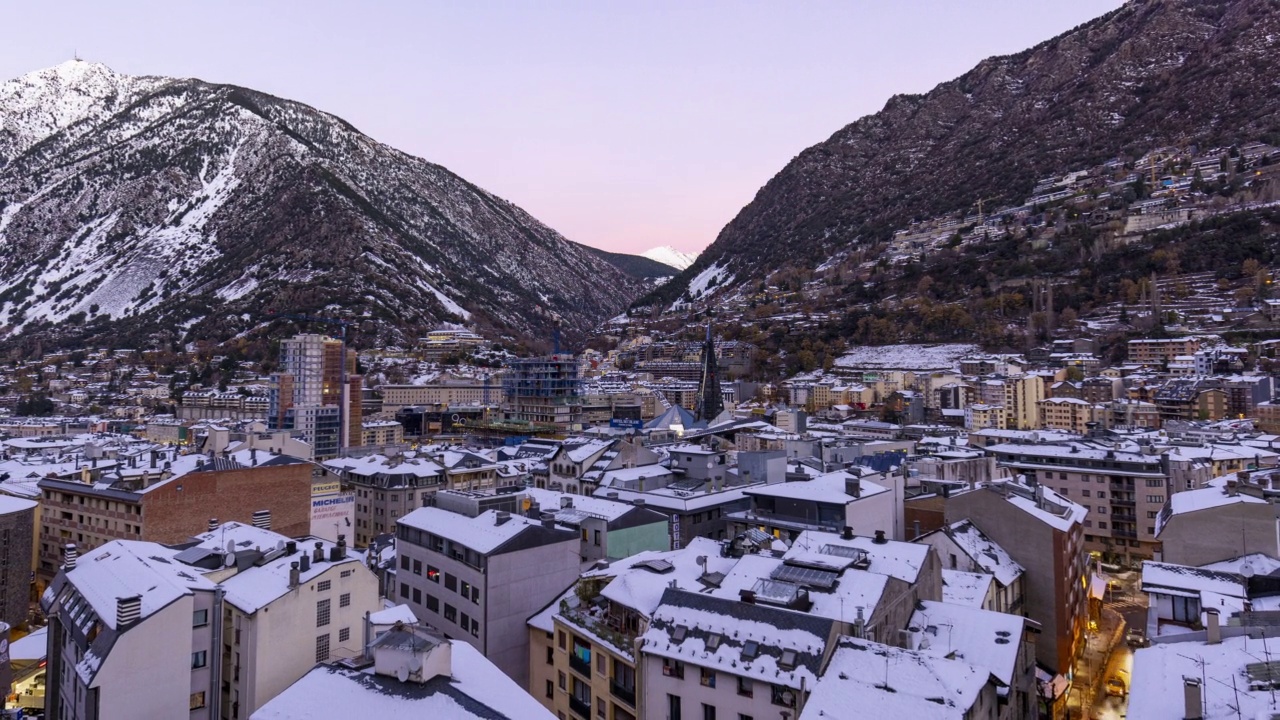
(332, 511)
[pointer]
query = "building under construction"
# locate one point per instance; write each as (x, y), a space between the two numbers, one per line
(542, 390)
(710, 398)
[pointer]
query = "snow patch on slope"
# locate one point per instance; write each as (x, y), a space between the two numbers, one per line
(670, 257)
(713, 276)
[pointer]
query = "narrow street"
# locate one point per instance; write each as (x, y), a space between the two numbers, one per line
(1106, 654)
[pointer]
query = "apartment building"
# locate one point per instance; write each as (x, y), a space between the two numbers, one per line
(443, 393)
(166, 497)
(1044, 533)
(1069, 413)
(141, 629)
(380, 433)
(17, 518)
(480, 578)
(387, 488)
(317, 393)
(1121, 490)
(1160, 351)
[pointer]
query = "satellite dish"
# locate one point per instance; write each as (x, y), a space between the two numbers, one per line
(280, 546)
(228, 560)
(415, 664)
(402, 674)
(1247, 570)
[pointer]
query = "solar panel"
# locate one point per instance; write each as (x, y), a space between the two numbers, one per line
(658, 566)
(775, 591)
(689, 484)
(809, 577)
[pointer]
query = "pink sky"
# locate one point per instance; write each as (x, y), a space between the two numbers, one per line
(622, 125)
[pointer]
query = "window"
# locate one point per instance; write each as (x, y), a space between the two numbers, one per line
(1186, 609)
(344, 634)
(1088, 524)
(464, 621)
(1155, 482)
(322, 613)
(562, 681)
(1102, 509)
(708, 678)
(742, 716)
(450, 582)
(404, 590)
(672, 668)
(551, 655)
(597, 538)
(200, 618)
(1063, 491)
(600, 664)
(417, 596)
(1084, 493)
(708, 712)
(197, 700)
(673, 707)
(1152, 514)
(464, 589)
(600, 711)
(322, 586)
(404, 562)
(322, 647)
(782, 695)
(417, 567)
(433, 603)
(1102, 525)
(450, 613)
(475, 594)
(1155, 498)
(433, 574)
(344, 600)
(581, 691)
(199, 659)
(560, 640)
(551, 689)
(1151, 530)
(1102, 493)
(347, 573)
(746, 687)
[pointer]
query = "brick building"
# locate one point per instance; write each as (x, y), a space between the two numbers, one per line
(170, 498)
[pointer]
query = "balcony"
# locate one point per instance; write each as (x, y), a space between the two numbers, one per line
(1123, 503)
(1124, 533)
(580, 708)
(1121, 517)
(625, 694)
(580, 666)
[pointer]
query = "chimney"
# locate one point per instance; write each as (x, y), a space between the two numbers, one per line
(853, 487)
(859, 625)
(304, 562)
(153, 459)
(502, 518)
(847, 533)
(638, 502)
(128, 611)
(70, 555)
(253, 457)
(747, 596)
(1193, 707)
(334, 554)
(1213, 631)
(880, 540)
(318, 553)
(549, 522)
(295, 575)
(213, 524)
(290, 547)
(262, 519)
(342, 547)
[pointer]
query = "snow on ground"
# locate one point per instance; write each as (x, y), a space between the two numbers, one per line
(713, 275)
(670, 257)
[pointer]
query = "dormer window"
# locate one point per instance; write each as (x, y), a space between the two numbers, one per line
(788, 661)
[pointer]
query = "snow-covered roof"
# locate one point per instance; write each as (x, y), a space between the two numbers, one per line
(979, 637)
(1204, 498)
(905, 357)
(856, 588)
(476, 688)
(965, 588)
(684, 623)
(129, 568)
(481, 533)
(637, 586)
(10, 504)
(393, 615)
(30, 647)
(984, 551)
(882, 681)
(902, 560)
(1157, 682)
(550, 500)
(827, 488)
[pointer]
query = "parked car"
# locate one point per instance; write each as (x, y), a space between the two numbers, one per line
(1136, 637)
(1116, 686)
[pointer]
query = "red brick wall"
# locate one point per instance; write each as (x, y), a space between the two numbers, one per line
(929, 511)
(172, 515)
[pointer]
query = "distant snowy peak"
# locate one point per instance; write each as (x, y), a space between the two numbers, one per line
(670, 256)
(39, 104)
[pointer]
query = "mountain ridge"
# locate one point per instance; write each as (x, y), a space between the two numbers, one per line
(180, 210)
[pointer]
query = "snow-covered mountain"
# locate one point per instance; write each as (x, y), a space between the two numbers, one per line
(670, 256)
(140, 210)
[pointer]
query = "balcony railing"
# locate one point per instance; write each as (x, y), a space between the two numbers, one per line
(1123, 518)
(1125, 533)
(580, 666)
(580, 708)
(1124, 503)
(625, 694)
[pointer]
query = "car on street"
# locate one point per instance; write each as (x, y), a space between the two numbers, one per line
(1136, 637)
(1116, 686)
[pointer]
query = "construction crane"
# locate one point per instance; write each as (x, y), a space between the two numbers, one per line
(343, 430)
(981, 216)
